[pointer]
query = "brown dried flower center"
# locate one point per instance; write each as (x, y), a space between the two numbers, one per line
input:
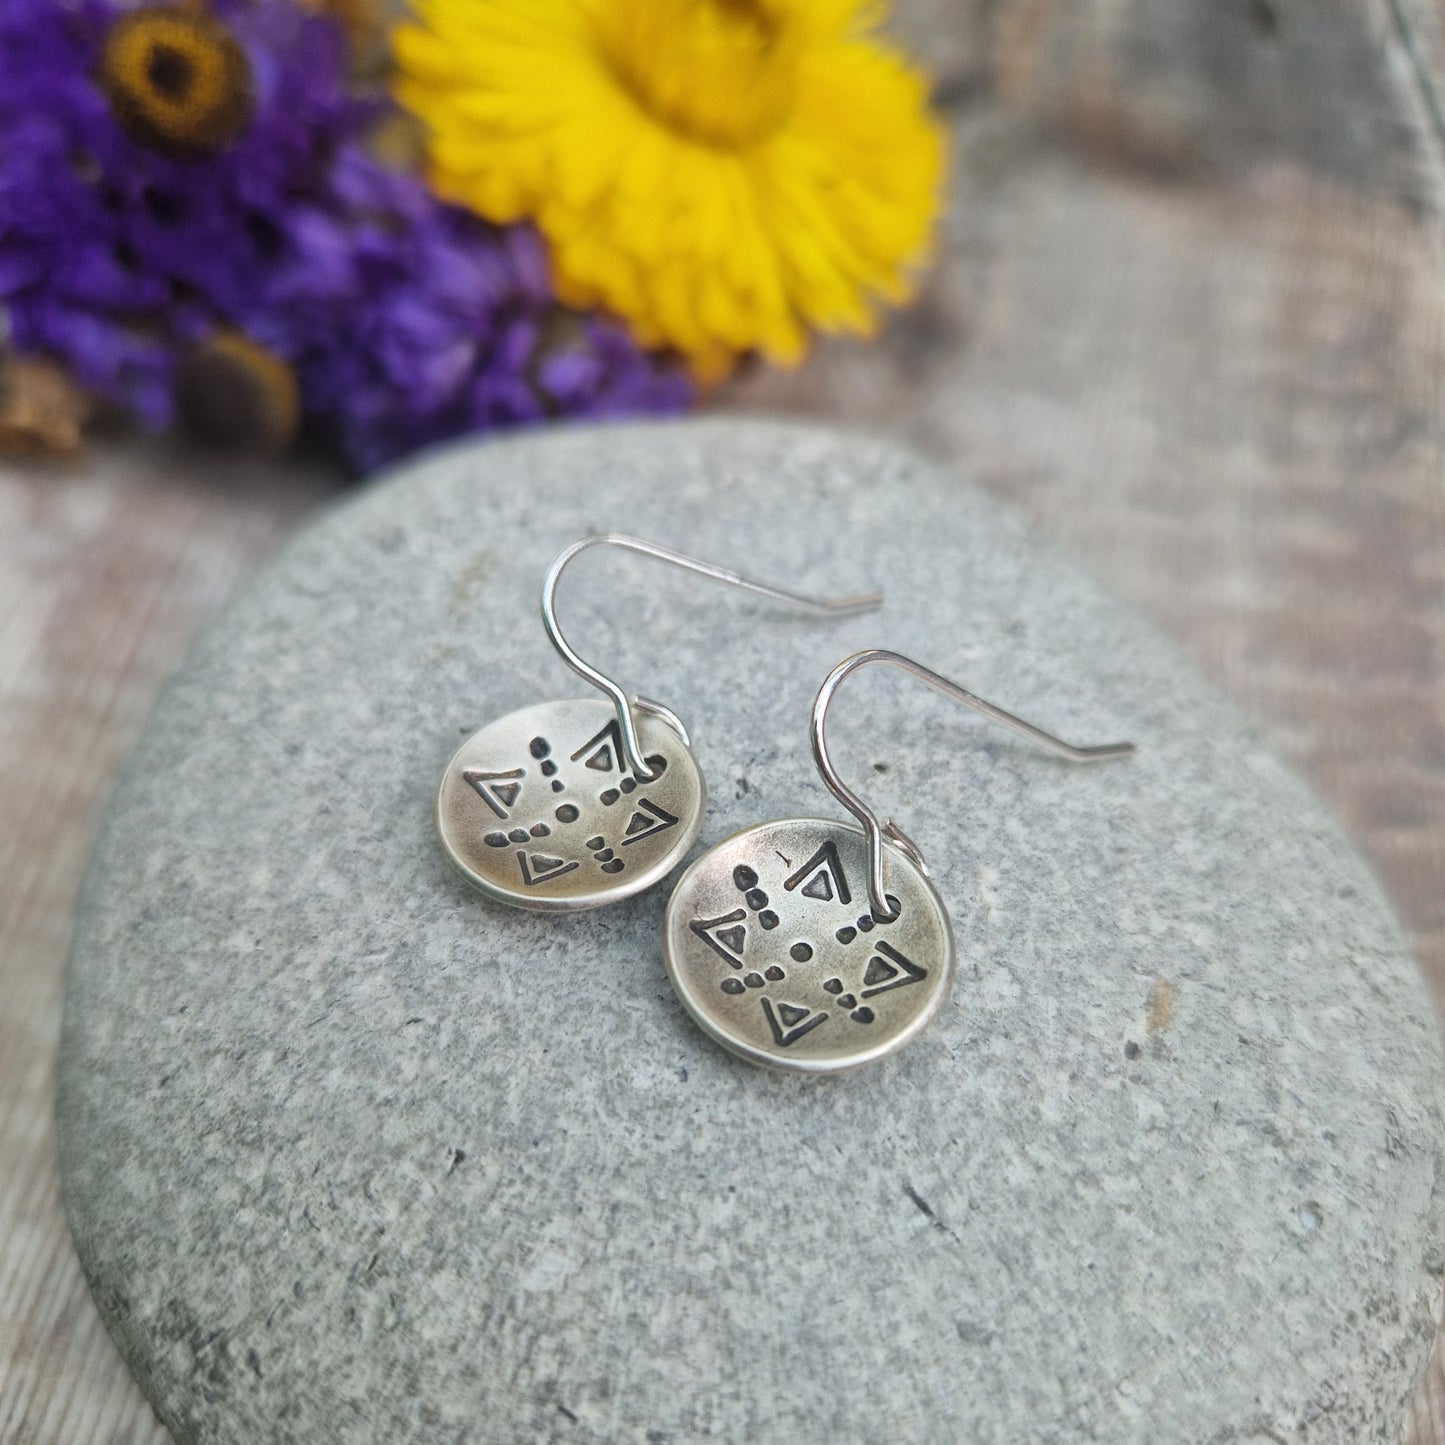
(177, 80)
(170, 71)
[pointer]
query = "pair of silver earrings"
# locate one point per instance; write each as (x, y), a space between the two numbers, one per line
(806, 944)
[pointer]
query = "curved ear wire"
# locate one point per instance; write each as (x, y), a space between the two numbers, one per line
(631, 745)
(875, 830)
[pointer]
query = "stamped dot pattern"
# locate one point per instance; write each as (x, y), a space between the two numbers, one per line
(566, 813)
(756, 900)
(521, 798)
(832, 984)
(503, 792)
(604, 856)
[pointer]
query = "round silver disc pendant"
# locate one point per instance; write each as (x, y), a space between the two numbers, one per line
(771, 945)
(540, 810)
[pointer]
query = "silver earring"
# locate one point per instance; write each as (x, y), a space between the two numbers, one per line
(814, 945)
(573, 804)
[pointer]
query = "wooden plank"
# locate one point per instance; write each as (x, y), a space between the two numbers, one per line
(1191, 318)
(105, 574)
(1228, 405)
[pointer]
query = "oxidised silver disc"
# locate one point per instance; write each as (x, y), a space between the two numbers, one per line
(539, 809)
(771, 944)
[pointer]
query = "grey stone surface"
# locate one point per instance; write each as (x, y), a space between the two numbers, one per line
(351, 1154)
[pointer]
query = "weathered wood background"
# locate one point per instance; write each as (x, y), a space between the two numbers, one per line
(1191, 319)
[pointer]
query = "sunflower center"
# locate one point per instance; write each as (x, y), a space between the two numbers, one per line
(176, 79)
(721, 72)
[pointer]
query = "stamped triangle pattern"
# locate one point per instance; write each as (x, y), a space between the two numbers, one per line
(646, 822)
(889, 969)
(541, 867)
(822, 877)
(881, 969)
(602, 752)
(498, 791)
(726, 935)
(788, 1022)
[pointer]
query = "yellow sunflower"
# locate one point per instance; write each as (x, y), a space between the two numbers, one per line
(725, 174)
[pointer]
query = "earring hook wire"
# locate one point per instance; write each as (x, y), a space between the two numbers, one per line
(626, 721)
(877, 830)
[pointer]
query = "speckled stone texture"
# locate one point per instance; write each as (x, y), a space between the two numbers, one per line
(351, 1154)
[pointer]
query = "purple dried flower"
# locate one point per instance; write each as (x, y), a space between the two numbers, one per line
(118, 249)
(166, 176)
(410, 321)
